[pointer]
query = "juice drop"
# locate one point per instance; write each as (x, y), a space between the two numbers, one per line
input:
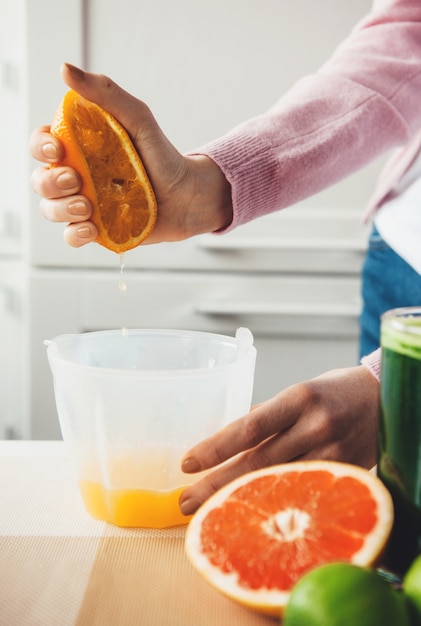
(122, 284)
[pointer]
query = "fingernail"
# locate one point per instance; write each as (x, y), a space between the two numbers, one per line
(189, 506)
(66, 180)
(84, 232)
(77, 208)
(49, 150)
(76, 72)
(190, 465)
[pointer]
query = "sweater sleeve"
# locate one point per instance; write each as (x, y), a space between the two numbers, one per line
(363, 101)
(374, 362)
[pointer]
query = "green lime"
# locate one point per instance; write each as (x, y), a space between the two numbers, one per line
(412, 586)
(341, 594)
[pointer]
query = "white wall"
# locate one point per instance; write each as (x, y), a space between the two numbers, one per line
(202, 67)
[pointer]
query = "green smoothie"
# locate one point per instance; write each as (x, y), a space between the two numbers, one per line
(399, 462)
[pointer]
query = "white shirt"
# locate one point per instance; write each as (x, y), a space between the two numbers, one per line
(399, 218)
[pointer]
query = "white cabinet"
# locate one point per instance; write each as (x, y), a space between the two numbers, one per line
(13, 370)
(292, 278)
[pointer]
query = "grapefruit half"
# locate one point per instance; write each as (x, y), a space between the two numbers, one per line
(254, 538)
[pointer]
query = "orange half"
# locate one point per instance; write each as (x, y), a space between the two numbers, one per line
(112, 173)
(255, 537)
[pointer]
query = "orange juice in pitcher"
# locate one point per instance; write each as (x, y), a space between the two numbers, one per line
(136, 492)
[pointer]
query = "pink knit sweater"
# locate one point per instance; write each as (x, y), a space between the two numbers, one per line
(363, 101)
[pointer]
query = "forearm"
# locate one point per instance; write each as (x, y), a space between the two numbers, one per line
(362, 102)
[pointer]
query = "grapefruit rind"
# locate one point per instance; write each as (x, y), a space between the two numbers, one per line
(273, 601)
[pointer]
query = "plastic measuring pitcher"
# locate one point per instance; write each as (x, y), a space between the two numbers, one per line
(130, 404)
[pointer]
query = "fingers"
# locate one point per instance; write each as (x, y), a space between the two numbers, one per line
(302, 440)
(263, 421)
(45, 147)
(273, 432)
(60, 202)
(333, 416)
(56, 182)
(266, 435)
(283, 447)
(79, 234)
(74, 209)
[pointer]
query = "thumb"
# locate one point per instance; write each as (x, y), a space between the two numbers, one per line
(133, 114)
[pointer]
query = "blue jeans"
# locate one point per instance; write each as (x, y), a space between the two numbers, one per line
(387, 282)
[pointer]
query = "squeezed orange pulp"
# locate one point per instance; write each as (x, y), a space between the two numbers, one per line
(133, 507)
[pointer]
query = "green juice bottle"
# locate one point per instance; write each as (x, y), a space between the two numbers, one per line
(399, 456)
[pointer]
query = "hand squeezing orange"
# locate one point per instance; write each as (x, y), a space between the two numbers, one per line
(112, 173)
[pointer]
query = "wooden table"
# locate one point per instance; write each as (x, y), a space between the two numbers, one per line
(59, 566)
